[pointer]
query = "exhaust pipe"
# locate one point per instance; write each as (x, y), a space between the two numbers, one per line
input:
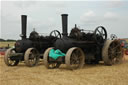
(64, 25)
(23, 26)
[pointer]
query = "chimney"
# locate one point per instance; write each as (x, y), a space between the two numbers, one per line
(23, 26)
(64, 25)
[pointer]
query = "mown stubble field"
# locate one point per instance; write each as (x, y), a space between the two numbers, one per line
(5, 44)
(39, 75)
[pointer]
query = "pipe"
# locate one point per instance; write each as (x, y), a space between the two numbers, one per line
(64, 25)
(23, 26)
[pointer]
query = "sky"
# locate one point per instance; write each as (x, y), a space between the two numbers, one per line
(45, 16)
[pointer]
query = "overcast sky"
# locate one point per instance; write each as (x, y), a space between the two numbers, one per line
(45, 16)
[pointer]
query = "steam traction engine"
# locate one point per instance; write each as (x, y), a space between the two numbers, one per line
(82, 46)
(29, 49)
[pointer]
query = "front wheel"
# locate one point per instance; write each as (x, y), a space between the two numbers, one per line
(47, 63)
(74, 58)
(7, 58)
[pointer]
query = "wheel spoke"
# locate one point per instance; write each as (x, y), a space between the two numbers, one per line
(101, 31)
(116, 47)
(55, 33)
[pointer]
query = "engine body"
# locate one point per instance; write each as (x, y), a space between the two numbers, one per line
(86, 41)
(41, 43)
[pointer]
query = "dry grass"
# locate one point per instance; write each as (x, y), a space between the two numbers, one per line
(39, 75)
(5, 44)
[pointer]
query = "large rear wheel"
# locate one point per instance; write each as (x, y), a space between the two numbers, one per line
(112, 52)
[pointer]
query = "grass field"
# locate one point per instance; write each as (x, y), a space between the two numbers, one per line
(5, 44)
(39, 75)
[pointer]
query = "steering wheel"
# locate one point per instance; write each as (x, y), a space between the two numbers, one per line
(113, 36)
(55, 33)
(100, 34)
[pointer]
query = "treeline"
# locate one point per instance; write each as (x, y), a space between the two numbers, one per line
(8, 40)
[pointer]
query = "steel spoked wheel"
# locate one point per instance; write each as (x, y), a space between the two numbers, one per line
(74, 58)
(7, 58)
(31, 57)
(55, 33)
(112, 52)
(48, 64)
(100, 34)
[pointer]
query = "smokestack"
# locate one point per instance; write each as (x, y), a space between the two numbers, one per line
(64, 24)
(23, 26)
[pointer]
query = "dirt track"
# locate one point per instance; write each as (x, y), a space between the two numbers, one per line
(39, 75)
